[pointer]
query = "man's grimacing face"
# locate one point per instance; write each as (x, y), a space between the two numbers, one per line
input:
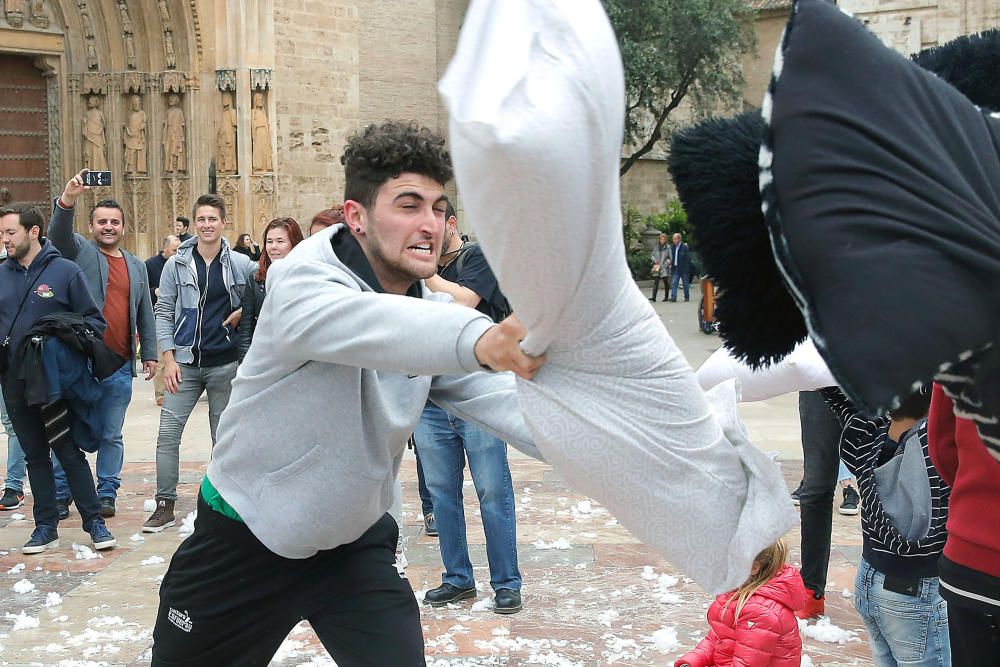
(404, 231)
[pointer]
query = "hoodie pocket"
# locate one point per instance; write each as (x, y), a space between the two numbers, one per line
(186, 325)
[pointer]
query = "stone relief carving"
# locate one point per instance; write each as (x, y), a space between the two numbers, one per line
(225, 79)
(225, 140)
(174, 82)
(15, 12)
(229, 189)
(260, 135)
(137, 198)
(260, 79)
(39, 14)
(135, 137)
(94, 156)
(173, 136)
(262, 188)
(132, 82)
(175, 192)
(96, 84)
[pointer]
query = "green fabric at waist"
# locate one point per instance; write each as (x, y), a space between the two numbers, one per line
(215, 500)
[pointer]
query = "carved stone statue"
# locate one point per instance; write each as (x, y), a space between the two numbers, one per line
(125, 18)
(135, 138)
(15, 12)
(168, 47)
(91, 55)
(94, 156)
(39, 14)
(88, 25)
(173, 136)
(226, 138)
(260, 134)
(129, 50)
(164, 13)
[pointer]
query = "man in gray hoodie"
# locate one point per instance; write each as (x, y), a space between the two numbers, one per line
(350, 344)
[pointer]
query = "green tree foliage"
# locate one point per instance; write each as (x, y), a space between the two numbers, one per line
(677, 49)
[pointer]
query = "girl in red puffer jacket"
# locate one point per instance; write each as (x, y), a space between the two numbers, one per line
(755, 625)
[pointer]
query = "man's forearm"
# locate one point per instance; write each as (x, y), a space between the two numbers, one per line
(462, 295)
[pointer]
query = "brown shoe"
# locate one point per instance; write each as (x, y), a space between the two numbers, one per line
(162, 518)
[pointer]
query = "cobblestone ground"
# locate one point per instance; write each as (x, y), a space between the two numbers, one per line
(593, 595)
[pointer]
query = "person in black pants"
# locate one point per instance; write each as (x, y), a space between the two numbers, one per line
(36, 281)
(354, 586)
(821, 460)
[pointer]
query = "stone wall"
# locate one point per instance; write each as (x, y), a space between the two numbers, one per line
(317, 90)
(647, 186)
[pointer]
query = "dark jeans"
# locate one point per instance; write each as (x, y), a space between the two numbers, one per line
(821, 460)
(30, 429)
(228, 600)
(975, 637)
(681, 276)
(656, 286)
(426, 506)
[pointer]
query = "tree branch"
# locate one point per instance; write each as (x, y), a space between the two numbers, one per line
(675, 99)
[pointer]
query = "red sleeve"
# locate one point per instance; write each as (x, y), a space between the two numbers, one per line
(701, 655)
(941, 435)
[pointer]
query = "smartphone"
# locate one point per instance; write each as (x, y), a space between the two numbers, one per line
(97, 179)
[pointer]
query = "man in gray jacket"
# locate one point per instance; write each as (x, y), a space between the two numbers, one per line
(350, 344)
(197, 313)
(120, 286)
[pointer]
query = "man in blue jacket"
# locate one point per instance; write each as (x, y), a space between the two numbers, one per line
(35, 281)
(680, 255)
(120, 286)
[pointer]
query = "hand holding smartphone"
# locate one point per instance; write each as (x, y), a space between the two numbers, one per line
(97, 179)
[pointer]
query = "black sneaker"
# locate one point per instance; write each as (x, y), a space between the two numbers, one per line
(430, 525)
(107, 507)
(795, 494)
(62, 507)
(446, 594)
(507, 601)
(43, 537)
(850, 504)
(11, 499)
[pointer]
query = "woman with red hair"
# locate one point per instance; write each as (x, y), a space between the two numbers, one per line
(327, 218)
(280, 236)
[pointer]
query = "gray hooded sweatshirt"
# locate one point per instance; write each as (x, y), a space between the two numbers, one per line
(333, 385)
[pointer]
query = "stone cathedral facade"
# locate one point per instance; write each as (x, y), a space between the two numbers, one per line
(254, 99)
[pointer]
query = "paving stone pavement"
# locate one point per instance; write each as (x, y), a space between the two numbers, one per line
(593, 595)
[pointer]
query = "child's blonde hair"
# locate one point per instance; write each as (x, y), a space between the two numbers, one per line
(768, 562)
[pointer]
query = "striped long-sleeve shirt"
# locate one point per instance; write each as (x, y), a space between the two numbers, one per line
(885, 549)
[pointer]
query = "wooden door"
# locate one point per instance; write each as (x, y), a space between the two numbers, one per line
(24, 132)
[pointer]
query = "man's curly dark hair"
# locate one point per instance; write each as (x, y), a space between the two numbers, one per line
(384, 151)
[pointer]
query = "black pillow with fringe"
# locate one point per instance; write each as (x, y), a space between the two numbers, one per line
(881, 190)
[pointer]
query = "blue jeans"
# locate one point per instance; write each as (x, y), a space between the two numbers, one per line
(116, 394)
(903, 629)
(15, 455)
(217, 382)
(678, 276)
(444, 442)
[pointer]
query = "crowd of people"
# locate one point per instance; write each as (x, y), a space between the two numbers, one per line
(298, 340)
